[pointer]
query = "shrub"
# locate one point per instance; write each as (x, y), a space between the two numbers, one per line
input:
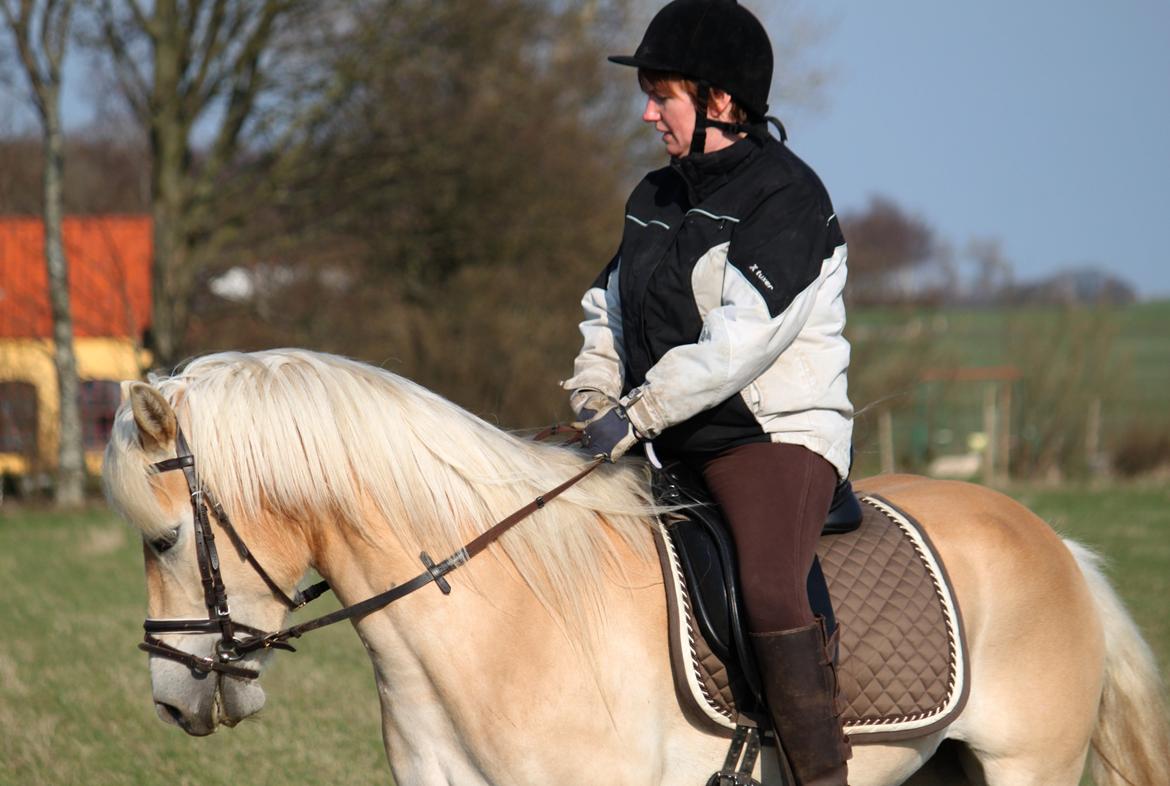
(1141, 450)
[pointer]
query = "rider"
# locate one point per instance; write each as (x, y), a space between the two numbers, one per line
(716, 332)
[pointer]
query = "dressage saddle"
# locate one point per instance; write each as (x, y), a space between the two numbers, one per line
(707, 556)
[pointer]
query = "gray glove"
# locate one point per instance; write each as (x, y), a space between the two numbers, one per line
(610, 434)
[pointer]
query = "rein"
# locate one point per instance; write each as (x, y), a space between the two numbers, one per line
(230, 648)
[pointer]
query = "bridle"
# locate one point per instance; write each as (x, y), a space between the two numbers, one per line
(237, 640)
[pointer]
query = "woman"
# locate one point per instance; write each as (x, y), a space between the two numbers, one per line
(716, 332)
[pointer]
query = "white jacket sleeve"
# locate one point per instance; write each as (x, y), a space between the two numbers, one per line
(598, 366)
(740, 340)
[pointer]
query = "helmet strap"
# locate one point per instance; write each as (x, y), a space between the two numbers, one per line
(751, 129)
(699, 136)
(779, 127)
(757, 130)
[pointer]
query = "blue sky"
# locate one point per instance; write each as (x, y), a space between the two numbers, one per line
(1043, 124)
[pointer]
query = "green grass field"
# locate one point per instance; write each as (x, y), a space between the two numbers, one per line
(1139, 349)
(75, 702)
(1071, 360)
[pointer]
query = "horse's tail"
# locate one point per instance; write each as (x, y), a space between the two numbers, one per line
(1131, 744)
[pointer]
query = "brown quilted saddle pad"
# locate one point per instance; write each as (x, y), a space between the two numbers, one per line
(902, 664)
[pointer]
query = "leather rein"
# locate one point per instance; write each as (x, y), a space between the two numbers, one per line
(238, 640)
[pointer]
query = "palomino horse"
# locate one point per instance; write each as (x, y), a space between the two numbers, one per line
(548, 661)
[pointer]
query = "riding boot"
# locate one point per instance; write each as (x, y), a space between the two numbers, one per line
(800, 683)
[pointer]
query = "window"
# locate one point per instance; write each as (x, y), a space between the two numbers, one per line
(18, 418)
(99, 401)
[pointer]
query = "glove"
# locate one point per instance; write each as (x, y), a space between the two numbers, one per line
(610, 434)
(587, 403)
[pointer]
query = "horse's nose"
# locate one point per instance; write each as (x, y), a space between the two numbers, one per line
(169, 713)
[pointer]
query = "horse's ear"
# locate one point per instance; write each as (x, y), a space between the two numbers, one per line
(156, 421)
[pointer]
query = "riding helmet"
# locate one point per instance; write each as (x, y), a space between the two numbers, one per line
(718, 42)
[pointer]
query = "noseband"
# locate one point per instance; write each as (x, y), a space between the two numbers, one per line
(232, 646)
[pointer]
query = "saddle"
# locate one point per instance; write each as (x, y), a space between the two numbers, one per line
(707, 559)
(902, 659)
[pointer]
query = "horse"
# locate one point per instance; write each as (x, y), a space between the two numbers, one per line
(546, 659)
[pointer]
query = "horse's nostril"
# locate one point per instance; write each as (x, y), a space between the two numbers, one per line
(169, 713)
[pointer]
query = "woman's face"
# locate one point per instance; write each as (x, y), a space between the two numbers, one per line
(672, 113)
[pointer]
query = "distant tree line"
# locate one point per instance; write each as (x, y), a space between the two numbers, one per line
(897, 258)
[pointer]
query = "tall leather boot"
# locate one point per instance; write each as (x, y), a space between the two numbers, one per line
(800, 683)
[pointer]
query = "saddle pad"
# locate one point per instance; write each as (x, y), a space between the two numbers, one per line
(902, 662)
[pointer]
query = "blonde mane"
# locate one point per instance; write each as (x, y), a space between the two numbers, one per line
(308, 436)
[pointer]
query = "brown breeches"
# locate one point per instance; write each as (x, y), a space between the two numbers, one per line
(775, 498)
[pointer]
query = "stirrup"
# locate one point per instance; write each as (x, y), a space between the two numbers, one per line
(744, 750)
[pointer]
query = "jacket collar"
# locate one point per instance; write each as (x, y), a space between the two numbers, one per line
(706, 173)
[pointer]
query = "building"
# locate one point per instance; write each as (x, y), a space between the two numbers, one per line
(109, 278)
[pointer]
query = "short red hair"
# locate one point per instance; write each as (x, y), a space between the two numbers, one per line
(653, 81)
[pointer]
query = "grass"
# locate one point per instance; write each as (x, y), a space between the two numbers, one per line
(75, 695)
(75, 703)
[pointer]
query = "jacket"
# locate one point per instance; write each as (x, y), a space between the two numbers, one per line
(720, 320)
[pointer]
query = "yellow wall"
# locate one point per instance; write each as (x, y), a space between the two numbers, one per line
(31, 360)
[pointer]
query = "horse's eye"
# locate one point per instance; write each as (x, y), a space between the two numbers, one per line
(164, 544)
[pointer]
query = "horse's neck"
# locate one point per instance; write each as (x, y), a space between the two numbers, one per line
(484, 683)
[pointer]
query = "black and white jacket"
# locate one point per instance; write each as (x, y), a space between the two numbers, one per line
(719, 322)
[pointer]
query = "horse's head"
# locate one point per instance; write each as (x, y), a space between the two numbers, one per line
(204, 598)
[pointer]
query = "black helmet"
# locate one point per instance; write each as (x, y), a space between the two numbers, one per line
(718, 42)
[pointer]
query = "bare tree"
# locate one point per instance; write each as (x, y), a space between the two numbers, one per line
(893, 256)
(41, 31)
(194, 73)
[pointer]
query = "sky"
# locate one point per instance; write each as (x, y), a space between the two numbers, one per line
(1044, 124)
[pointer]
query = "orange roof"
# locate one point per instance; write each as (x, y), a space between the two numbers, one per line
(109, 276)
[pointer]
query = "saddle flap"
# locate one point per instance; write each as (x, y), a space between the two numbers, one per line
(706, 555)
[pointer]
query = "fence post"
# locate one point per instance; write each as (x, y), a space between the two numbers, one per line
(1005, 430)
(989, 431)
(886, 438)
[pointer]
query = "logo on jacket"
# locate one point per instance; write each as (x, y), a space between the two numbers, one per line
(755, 270)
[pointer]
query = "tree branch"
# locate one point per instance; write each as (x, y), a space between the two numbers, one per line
(209, 53)
(55, 35)
(20, 25)
(135, 87)
(46, 28)
(144, 22)
(245, 85)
